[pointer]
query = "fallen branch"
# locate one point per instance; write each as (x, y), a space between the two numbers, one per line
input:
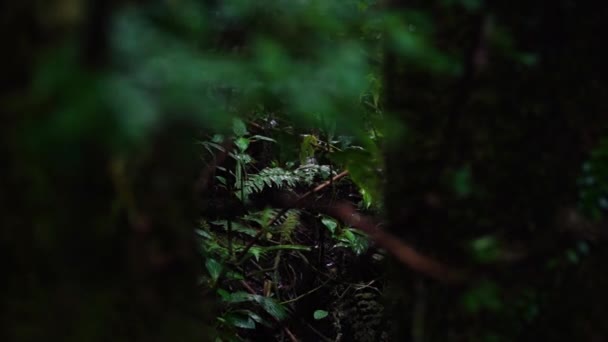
(345, 212)
(403, 252)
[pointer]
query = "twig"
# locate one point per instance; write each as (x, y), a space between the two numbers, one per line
(292, 337)
(323, 337)
(400, 250)
(306, 294)
(275, 275)
(248, 287)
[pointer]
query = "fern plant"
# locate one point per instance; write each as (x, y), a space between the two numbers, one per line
(280, 178)
(307, 174)
(269, 178)
(289, 224)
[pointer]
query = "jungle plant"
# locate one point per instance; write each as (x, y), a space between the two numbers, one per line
(346, 237)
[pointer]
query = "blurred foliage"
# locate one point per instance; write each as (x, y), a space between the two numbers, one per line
(593, 187)
(468, 125)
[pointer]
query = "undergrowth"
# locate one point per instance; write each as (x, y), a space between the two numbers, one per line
(265, 262)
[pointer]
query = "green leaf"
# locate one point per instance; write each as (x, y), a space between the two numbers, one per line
(485, 249)
(204, 234)
(225, 295)
(347, 236)
(367, 198)
(238, 127)
(216, 146)
(354, 240)
(261, 137)
(242, 143)
(222, 180)
(257, 318)
(364, 168)
(234, 275)
(239, 321)
(320, 314)
(360, 245)
(254, 316)
(330, 223)
(271, 306)
(307, 148)
(214, 268)
(256, 252)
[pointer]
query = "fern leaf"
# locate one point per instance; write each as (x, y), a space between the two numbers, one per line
(291, 221)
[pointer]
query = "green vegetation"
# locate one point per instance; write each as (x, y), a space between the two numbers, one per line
(314, 170)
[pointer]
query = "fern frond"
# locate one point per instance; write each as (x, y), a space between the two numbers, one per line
(307, 174)
(275, 177)
(289, 224)
(262, 217)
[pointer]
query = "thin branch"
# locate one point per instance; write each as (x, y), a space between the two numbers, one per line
(403, 252)
(321, 336)
(306, 294)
